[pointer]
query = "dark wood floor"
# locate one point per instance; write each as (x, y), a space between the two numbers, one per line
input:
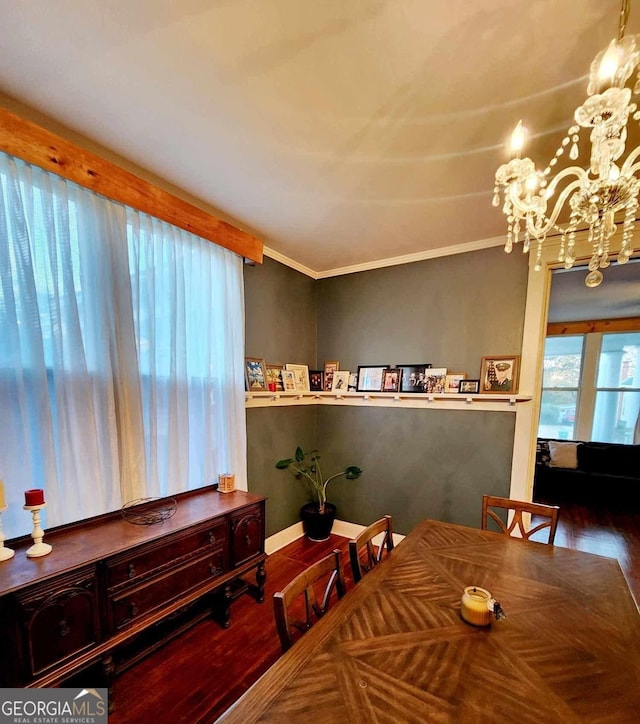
(196, 677)
(611, 533)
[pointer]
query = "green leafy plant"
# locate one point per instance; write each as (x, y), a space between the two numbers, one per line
(306, 466)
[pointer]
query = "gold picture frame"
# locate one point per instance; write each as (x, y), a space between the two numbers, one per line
(499, 375)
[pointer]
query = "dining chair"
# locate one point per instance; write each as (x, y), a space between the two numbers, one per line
(300, 597)
(363, 554)
(548, 512)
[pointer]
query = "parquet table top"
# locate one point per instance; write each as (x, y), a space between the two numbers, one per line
(395, 649)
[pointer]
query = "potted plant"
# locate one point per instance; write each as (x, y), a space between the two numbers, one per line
(317, 516)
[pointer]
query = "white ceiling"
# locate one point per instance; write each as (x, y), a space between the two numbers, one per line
(341, 132)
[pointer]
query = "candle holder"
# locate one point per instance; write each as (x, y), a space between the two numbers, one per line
(5, 553)
(38, 548)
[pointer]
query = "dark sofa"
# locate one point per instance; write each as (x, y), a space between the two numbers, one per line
(606, 474)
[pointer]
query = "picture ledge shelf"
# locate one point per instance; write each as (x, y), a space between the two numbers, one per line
(387, 399)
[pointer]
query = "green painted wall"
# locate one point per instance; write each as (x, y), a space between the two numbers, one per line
(280, 314)
(274, 433)
(280, 327)
(449, 311)
(417, 463)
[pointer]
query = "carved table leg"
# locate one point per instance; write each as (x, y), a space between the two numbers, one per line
(109, 671)
(225, 614)
(261, 578)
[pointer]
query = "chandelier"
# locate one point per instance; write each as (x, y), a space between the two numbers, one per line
(600, 196)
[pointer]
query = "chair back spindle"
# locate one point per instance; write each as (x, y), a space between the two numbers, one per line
(363, 554)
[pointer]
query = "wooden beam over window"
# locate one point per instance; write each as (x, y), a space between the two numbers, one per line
(625, 324)
(38, 146)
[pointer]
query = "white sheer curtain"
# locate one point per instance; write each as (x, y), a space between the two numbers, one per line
(190, 339)
(121, 347)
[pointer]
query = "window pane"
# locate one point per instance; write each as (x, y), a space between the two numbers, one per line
(562, 361)
(557, 414)
(615, 416)
(618, 365)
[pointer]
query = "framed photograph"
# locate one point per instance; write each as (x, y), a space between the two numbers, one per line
(499, 375)
(340, 381)
(391, 377)
(435, 380)
(469, 387)
(412, 379)
(288, 381)
(274, 377)
(353, 382)
(453, 382)
(329, 369)
(301, 376)
(370, 378)
(316, 380)
(255, 375)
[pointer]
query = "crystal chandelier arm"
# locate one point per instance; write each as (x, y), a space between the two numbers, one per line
(520, 203)
(581, 175)
(628, 166)
(535, 210)
(541, 230)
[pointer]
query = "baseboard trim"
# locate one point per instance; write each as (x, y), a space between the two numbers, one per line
(340, 527)
(282, 538)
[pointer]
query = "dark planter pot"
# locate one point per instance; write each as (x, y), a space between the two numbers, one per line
(317, 526)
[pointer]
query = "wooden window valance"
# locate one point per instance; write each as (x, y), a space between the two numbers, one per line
(40, 147)
(624, 324)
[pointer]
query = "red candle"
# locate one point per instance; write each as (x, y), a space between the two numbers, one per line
(34, 497)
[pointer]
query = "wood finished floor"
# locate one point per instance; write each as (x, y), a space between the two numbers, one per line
(196, 677)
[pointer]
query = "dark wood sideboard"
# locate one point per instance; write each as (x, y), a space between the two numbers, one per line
(109, 583)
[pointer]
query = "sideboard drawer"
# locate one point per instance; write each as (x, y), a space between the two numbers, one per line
(137, 564)
(131, 604)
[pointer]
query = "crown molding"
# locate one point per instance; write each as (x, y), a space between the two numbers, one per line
(410, 258)
(391, 261)
(287, 261)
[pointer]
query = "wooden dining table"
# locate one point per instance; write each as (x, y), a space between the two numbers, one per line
(395, 649)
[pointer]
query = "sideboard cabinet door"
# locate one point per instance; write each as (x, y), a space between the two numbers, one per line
(247, 535)
(59, 620)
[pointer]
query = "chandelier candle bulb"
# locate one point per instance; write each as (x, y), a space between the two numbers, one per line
(517, 138)
(609, 64)
(3, 500)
